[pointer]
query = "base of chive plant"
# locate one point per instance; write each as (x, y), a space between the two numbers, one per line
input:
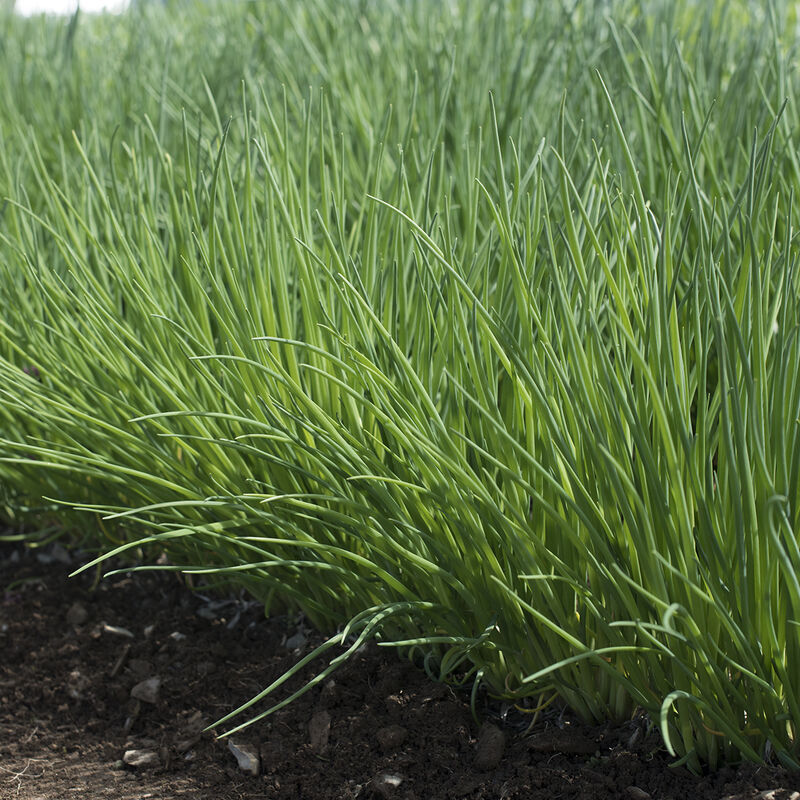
(441, 355)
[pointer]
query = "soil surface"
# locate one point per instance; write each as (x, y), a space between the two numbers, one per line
(134, 669)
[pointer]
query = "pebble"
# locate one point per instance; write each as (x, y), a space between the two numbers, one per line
(247, 757)
(61, 554)
(148, 690)
(77, 614)
(490, 747)
(319, 731)
(391, 737)
(116, 631)
(57, 553)
(295, 642)
(635, 793)
(386, 784)
(141, 758)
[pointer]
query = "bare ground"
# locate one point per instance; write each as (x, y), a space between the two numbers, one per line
(70, 656)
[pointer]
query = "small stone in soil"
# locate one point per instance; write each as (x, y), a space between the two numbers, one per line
(490, 747)
(319, 730)
(77, 614)
(58, 553)
(635, 793)
(116, 631)
(295, 642)
(391, 737)
(386, 784)
(148, 690)
(246, 756)
(141, 758)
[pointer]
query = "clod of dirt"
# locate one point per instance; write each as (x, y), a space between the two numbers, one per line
(247, 757)
(490, 747)
(77, 614)
(77, 684)
(195, 723)
(141, 758)
(148, 690)
(330, 695)
(391, 737)
(140, 668)
(319, 731)
(562, 741)
(189, 732)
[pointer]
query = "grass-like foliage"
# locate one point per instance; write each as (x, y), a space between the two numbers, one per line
(471, 327)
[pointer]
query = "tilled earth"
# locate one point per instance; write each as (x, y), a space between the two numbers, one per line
(105, 692)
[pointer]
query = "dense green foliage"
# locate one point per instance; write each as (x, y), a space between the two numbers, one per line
(472, 327)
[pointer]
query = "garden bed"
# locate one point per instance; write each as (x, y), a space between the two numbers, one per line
(67, 716)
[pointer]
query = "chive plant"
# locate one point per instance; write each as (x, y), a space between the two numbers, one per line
(491, 356)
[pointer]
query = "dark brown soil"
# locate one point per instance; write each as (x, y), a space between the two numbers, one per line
(382, 729)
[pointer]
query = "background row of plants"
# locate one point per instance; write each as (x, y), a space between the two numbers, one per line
(472, 327)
